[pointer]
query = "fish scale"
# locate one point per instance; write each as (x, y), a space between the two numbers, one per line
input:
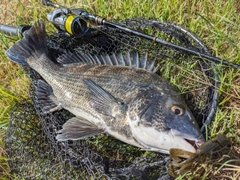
(116, 94)
(72, 80)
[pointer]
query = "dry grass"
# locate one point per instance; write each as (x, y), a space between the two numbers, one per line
(216, 22)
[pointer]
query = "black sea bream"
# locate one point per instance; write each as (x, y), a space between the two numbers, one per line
(116, 94)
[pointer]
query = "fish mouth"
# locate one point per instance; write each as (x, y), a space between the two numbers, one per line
(195, 142)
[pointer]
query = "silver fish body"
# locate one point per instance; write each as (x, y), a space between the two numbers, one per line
(114, 94)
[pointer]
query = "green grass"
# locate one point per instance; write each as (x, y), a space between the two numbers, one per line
(217, 23)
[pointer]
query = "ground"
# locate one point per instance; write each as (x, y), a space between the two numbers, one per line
(216, 23)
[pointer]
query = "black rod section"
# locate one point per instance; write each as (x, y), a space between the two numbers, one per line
(175, 46)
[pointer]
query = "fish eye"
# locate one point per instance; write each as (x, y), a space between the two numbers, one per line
(177, 110)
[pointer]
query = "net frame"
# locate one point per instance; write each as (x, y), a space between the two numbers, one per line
(30, 142)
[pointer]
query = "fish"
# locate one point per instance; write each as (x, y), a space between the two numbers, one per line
(117, 94)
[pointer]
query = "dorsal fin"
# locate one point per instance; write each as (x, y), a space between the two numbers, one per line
(128, 59)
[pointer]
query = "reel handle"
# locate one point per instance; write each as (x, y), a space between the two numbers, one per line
(50, 3)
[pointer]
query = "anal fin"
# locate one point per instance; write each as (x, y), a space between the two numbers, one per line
(45, 97)
(77, 128)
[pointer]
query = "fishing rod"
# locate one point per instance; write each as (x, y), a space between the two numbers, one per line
(74, 21)
(14, 31)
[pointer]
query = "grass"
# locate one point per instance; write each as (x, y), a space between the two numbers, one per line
(216, 23)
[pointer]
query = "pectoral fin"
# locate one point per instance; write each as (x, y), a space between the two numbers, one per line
(102, 101)
(46, 98)
(77, 128)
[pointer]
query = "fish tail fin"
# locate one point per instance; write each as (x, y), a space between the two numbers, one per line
(33, 44)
